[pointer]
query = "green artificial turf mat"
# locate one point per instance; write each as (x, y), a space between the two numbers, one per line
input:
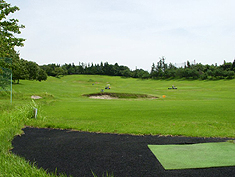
(202, 155)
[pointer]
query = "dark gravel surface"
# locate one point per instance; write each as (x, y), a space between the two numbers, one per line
(78, 153)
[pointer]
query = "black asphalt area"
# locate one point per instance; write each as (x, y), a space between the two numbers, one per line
(81, 153)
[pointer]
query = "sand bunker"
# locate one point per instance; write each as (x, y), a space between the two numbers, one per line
(109, 95)
(35, 97)
(103, 97)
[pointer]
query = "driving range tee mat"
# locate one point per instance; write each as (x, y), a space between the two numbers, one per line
(203, 155)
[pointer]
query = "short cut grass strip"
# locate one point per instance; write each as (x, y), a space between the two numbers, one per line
(202, 155)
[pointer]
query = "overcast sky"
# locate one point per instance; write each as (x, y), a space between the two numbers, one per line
(134, 33)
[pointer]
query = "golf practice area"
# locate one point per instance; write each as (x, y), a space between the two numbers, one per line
(202, 155)
(163, 126)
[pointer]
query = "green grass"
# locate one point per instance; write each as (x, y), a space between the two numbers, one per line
(202, 155)
(196, 108)
(11, 123)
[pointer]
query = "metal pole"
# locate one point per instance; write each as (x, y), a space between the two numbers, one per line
(11, 88)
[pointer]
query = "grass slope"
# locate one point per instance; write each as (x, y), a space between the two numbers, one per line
(196, 108)
(11, 123)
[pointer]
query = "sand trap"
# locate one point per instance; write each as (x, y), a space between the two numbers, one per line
(35, 97)
(110, 95)
(103, 97)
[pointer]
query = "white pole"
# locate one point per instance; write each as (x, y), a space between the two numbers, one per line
(35, 113)
(11, 89)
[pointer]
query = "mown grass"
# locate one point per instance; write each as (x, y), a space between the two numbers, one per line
(196, 108)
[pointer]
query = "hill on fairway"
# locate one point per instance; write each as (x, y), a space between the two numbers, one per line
(196, 108)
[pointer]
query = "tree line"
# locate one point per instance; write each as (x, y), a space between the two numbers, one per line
(57, 70)
(160, 70)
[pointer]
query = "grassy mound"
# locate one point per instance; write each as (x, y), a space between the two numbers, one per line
(121, 95)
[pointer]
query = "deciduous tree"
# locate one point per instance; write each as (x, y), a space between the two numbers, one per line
(8, 28)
